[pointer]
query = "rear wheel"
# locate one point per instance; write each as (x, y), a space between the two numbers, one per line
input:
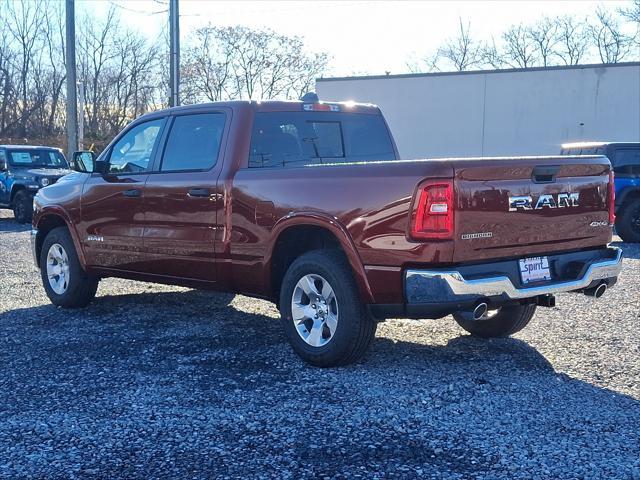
(66, 283)
(23, 207)
(503, 322)
(628, 222)
(323, 317)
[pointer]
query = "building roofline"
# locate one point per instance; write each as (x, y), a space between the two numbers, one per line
(482, 72)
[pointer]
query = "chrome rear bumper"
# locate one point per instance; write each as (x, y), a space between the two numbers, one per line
(427, 286)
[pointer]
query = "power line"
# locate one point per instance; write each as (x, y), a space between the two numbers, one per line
(140, 12)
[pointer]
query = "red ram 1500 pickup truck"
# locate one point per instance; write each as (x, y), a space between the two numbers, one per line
(307, 204)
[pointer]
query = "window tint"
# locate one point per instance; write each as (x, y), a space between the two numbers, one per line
(281, 139)
(133, 151)
(194, 142)
(626, 161)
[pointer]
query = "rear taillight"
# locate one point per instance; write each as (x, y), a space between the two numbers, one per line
(433, 216)
(612, 198)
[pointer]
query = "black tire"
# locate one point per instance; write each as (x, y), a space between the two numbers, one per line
(628, 221)
(81, 287)
(23, 207)
(355, 328)
(508, 320)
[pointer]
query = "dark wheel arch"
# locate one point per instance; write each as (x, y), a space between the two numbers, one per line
(22, 205)
(45, 225)
(628, 219)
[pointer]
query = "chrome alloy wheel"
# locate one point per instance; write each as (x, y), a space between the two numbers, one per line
(58, 268)
(314, 310)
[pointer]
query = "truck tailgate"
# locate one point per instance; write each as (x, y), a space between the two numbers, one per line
(525, 206)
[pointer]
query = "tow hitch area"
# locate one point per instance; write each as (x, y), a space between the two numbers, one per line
(546, 301)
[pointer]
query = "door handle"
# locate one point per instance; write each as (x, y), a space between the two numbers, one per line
(545, 173)
(134, 192)
(198, 192)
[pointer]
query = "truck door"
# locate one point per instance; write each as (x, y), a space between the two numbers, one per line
(112, 216)
(181, 197)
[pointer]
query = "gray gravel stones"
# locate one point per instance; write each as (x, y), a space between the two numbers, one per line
(160, 382)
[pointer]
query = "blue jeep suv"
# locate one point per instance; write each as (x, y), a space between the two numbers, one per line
(625, 158)
(23, 171)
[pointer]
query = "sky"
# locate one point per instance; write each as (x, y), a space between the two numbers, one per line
(362, 37)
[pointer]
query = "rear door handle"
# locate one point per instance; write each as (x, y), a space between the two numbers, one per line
(198, 192)
(134, 192)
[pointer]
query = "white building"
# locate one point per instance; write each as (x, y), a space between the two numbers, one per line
(500, 112)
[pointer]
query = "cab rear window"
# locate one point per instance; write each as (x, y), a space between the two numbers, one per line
(293, 139)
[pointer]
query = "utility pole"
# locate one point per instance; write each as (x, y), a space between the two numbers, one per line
(80, 115)
(72, 106)
(174, 53)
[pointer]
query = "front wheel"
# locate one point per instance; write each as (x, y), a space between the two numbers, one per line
(628, 222)
(66, 283)
(23, 207)
(323, 316)
(503, 322)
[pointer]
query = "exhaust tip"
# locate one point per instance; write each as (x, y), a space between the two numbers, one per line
(600, 289)
(480, 310)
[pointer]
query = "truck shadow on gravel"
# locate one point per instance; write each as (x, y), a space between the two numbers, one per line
(176, 362)
(629, 250)
(9, 225)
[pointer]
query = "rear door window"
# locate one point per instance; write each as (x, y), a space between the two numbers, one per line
(290, 139)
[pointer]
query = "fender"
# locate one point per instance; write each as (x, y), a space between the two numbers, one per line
(15, 187)
(337, 229)
(57, 211)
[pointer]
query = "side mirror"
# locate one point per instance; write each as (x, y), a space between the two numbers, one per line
(85, 161)
(3, 165)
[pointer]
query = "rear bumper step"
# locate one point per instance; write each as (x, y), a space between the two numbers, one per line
(434, 286)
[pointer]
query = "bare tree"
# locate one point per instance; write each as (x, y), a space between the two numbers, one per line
(492, 56)
(544, 36)
(519, 49)
(95, 48)
(632, 14)
(24, 20)
(611, 43)
(56, 75)
(239, 62)
(462, 50)
(6, 81)
(207, 71)
(131, 88)
(573, 40)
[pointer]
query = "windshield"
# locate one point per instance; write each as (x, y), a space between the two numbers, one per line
(37, 158)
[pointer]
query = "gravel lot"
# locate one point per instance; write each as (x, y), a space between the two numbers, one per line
(157, 382)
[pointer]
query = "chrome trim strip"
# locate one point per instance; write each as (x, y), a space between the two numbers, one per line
(502, 285)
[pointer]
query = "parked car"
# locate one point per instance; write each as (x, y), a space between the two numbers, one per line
(307, 204)
(24, 169)
(625, 158)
